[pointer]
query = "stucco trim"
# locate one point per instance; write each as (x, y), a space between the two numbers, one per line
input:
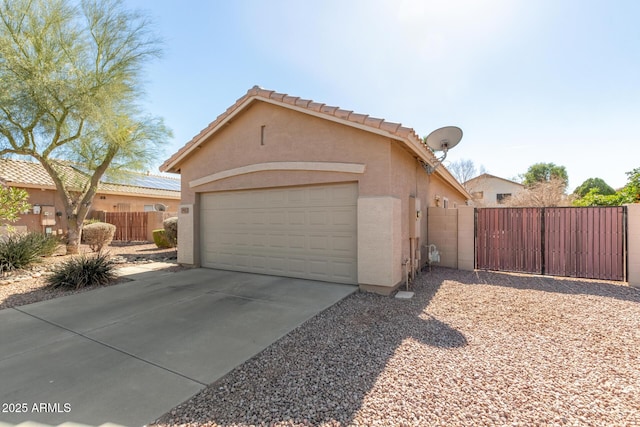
(281, 166)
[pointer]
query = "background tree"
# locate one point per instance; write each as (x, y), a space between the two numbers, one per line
(70, 79)
(13, 201)
(630, 193)
(545, 172)
(463, 170)
(541, 194)
(594, 183)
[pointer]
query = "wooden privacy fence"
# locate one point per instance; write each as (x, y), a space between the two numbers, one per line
(587, 242)
(130, 226)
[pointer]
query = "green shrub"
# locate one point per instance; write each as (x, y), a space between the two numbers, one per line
(98, 235)
(90, 221)
(82, 271)
(46, 243)
(21, 250)
(171, 230)
(160, 239)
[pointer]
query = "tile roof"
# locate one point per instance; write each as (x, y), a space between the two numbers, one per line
(26, 173)
(362, 121)
(256, 92)
(486, 175)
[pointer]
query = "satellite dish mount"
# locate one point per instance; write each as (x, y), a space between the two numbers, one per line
(442, 139)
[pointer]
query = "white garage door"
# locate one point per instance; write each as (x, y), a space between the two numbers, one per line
(307, 232)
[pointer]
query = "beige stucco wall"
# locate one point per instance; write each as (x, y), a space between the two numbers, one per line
(390, 172)
(101, 202)
(136, 202)
(289, 136)
(633, 244)
(379, 241)
(443, 232)
(186, 232)
(466, 238)
(491, 187)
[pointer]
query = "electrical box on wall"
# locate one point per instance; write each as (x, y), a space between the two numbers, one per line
(47, 215)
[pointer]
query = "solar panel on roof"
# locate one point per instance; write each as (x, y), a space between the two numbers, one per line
(139, 180)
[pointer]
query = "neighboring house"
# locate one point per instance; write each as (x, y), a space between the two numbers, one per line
(289, 187)
(491, 191)
(128, 192)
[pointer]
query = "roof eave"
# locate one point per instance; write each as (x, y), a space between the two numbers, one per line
(172, 165)
(409, 139)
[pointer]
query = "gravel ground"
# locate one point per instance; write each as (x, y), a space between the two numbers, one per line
(29, 286)
(471, 348)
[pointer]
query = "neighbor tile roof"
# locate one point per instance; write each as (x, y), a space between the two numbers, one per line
(395, 129)
(486, 175)
(25, 173)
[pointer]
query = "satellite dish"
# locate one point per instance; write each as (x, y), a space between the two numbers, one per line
(442, 139)
(160, 207)
(445, 138)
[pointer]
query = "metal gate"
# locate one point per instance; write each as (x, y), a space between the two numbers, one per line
(587, 242)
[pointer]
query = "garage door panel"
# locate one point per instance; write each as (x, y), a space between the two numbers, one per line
(341, 270)
(297, 218)
(307, 232)
(342, 217)
(298, 265)
(318, 217)
(318, 243)
(277, 241)
(297, 241)
(259, 240)
(344, 244)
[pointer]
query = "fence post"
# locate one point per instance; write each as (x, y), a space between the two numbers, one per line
(466, 237)
(633, 244)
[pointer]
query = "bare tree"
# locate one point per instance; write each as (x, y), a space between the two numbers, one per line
(542, 194)
(464, 169)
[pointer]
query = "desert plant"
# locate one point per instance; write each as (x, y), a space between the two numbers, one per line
(46, 244)
(98, 235)
(83, 271)
(90, 221)
(160, 239)
(171, 230)
(21, 250)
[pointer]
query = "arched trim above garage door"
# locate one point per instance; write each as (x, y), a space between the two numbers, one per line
(282, 166)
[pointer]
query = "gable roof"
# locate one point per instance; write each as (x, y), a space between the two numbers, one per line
(396, 131)
(22, 173)
(486, 175)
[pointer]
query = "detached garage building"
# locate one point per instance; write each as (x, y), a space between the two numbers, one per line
(290, 187)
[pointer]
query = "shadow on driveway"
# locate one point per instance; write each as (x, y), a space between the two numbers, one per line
(321, 372)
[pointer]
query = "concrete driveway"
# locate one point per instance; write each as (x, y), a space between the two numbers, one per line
(127, 354)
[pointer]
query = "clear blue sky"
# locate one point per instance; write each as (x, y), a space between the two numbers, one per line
(527, 81)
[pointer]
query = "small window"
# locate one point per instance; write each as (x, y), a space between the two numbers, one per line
(149, 208)
(502, 197)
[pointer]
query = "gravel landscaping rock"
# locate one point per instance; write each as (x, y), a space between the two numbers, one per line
(470, 348)
(28, 286)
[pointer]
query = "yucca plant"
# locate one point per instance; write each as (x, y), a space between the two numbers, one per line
(21, 250)
(83, 271)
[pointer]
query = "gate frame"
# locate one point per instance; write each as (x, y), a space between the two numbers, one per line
(543, 240)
